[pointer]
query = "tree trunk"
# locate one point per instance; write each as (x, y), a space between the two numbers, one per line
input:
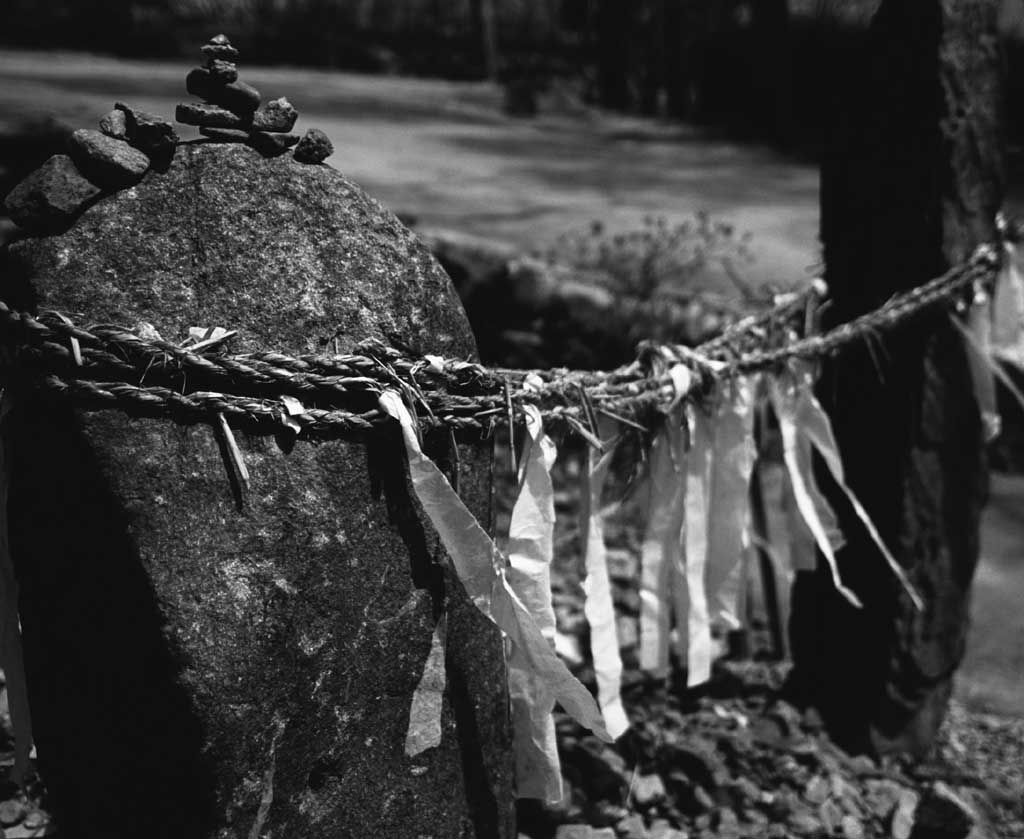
(614, 32)
(911, 181)
(486, 24)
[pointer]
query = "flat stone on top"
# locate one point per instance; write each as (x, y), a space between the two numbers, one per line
(108, 163)
(238, 97)
(211, 116)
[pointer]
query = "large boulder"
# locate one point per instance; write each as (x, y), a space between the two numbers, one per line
(196, 670)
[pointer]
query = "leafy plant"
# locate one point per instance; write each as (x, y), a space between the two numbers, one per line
(659, 260)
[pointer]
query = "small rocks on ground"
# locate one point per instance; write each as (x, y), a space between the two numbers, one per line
(108, 163)
(314, 147)
(51, 196)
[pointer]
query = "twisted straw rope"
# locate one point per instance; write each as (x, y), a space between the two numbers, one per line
(452, 394)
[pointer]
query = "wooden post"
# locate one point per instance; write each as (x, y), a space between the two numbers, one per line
(911, 182)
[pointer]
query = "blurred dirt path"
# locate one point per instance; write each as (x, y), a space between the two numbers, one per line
(444, 153)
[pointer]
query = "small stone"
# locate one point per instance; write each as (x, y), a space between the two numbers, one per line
(902, 823)
(812, 720)
(606, 813)
(661, 829)
(314, 147)
(817, 789)
(222, 71)
(632, 827)
(276, 115)
(238, 97)
(219, 47)
(602, 833)
(35, 820)
(573, 831)
(225, 135)
(648, 790)
(271, 145)
(942, 814)
(113, 125)
(211, 116)
(108, 163)
(831, 816)
(852, 828)
(150, 134)
(11, 812)
(802, 821)
(50, 196)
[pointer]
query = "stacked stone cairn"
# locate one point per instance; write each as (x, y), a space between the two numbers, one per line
(130, 142)
(230, 111)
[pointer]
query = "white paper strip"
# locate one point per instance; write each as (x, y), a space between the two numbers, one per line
(979, 356)
(1008, 309)
(785, 399)
(480, 567)
(598, 607)
(425, 712)
(662, 544)
(531, 538)
(732, 462)
(11, 659)
(814, 423)
(692, 607)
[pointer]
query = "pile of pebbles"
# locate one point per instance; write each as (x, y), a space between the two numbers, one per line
(230, 111)
(131, 142)
(128, 144)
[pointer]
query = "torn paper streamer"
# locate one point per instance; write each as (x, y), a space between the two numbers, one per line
(425, 712)
(691, 602)
(597, 605)
(531, 540)
(662, 544)
(480, 567)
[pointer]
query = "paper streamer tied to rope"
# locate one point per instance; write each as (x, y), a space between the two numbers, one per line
(598, 607)
(531, 545)
(480, 566)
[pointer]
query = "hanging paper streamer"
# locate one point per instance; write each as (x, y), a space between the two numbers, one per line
(662, 544)
(732, 461)
(531, 539)
(785, 399)
(425, 712)
(598, 607)
(531, 531)
(979, 357)
(800, 413)
(11, 659)
(480, 567)
(691, 603)
(1008, 309)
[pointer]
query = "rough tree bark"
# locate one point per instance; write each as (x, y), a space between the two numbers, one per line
(911, 180)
